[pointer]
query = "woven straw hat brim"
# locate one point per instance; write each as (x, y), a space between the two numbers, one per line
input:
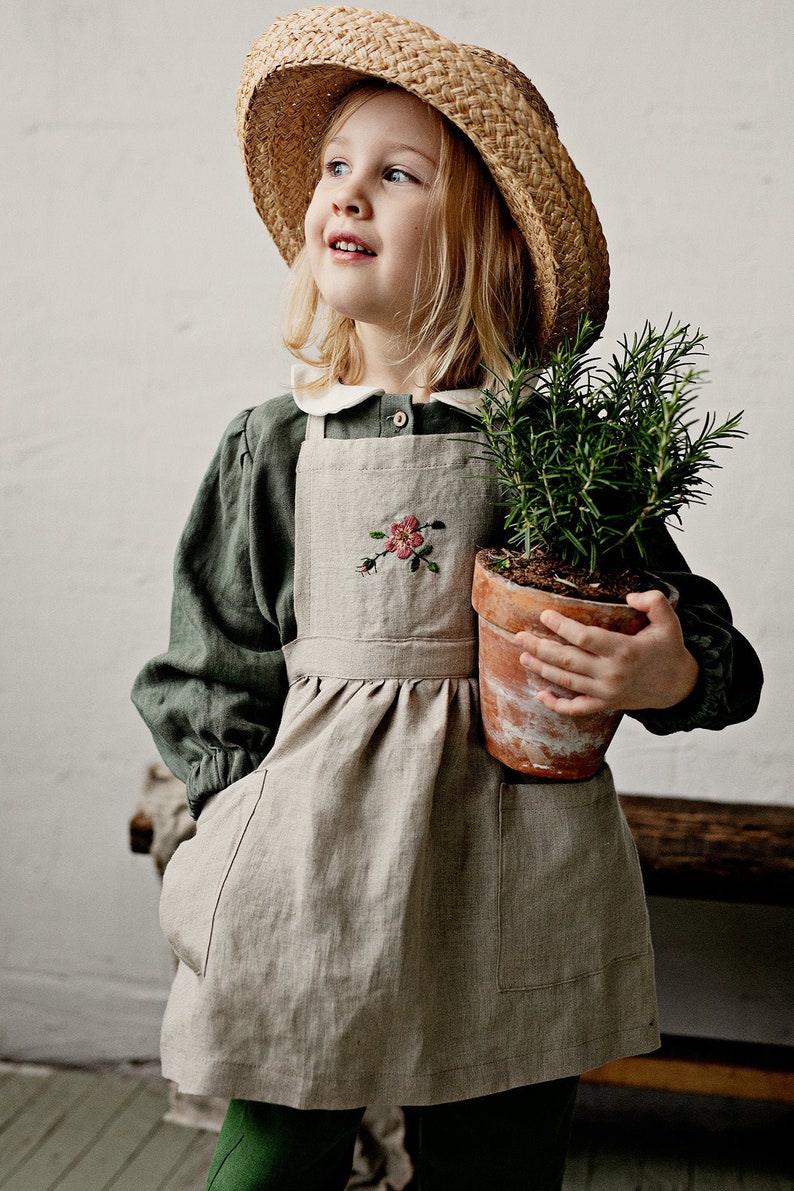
(298, 71)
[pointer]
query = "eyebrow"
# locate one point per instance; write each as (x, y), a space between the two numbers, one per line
(389, 147)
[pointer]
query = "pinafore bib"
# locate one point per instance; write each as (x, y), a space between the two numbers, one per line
(378, 914)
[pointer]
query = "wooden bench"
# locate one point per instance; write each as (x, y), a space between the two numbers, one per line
(712, 851)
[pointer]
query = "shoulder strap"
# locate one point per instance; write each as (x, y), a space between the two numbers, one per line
(315, 427)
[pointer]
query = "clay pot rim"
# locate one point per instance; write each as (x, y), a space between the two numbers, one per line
(528, 601)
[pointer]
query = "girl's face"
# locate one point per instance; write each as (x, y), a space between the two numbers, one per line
(367, 220)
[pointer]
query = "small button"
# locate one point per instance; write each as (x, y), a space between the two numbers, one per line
(400, 419)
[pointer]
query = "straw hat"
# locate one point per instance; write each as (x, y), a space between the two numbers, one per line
(298, 71)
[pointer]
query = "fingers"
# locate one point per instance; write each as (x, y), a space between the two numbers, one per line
(581, 635)
(593, 669)
(590, 639)
(654, 604)
(542, 654)
(575, 648)
(569, 669)
(566, 679)
(578, 705)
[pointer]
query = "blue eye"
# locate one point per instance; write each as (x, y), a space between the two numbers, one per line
(395, 174)
(337, 169)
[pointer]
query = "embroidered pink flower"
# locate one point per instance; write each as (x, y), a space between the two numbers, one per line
(405, 540)
(403, 537)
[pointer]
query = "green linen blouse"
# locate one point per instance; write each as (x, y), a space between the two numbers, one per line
(213, 700)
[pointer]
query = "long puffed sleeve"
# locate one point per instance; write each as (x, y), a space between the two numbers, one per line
(730, 679)
(213, 701)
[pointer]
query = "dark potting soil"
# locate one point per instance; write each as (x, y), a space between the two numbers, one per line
(550, 574)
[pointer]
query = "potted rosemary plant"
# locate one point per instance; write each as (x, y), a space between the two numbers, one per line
(592, 458)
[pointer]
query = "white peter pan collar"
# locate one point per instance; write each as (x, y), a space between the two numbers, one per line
(338, 396)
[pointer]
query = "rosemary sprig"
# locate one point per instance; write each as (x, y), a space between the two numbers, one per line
(593, 456)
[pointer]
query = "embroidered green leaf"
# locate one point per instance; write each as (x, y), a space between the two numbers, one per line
(424, 550)
(433, 566)
(377, 533)
(415, 563)
(437, 525)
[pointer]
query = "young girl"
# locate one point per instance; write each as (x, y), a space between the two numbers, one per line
(373, 910)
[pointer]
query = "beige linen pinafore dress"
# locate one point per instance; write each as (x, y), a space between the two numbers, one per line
(377, 914)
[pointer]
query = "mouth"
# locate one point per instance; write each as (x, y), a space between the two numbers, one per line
(349, 245)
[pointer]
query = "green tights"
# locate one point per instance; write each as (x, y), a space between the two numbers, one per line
(514, 1140)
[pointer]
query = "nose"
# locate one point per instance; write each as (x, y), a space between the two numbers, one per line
(351, 199)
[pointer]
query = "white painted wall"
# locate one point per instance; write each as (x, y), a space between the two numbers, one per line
(139, 296)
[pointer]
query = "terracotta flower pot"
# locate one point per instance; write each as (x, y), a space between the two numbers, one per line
(519, 731)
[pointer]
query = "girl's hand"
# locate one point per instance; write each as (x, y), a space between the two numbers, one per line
(608, 671)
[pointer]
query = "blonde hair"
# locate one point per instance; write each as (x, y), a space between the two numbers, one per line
(472, 305)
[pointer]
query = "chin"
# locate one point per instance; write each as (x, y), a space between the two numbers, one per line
(359, 311)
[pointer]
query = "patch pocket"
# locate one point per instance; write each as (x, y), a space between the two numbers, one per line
(194, 877)
(571, 900)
